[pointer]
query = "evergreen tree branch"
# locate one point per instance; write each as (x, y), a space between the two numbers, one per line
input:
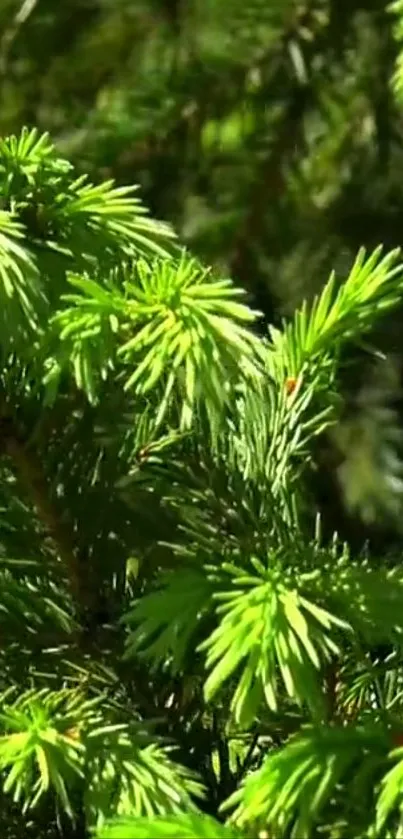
(36, 487)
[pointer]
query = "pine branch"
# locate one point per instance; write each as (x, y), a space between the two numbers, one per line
(36, 487)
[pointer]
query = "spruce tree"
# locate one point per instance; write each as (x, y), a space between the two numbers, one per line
(184, 651)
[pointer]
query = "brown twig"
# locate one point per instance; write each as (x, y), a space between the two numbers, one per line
(34, 482)
(35, 485)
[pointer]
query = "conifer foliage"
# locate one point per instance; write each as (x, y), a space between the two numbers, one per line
(183, 653)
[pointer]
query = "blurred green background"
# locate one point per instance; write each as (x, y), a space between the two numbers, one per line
(269, 132)
(266, 131)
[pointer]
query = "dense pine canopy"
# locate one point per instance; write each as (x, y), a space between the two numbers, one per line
(201, 480)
